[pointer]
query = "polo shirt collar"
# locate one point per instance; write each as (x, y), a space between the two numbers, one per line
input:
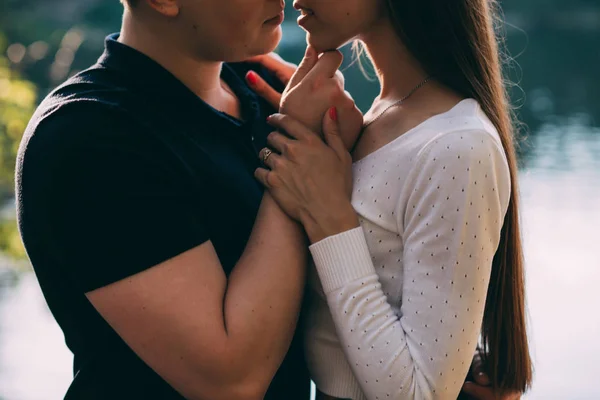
(149, 76)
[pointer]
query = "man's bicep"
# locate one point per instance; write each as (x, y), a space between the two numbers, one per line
(171, 315)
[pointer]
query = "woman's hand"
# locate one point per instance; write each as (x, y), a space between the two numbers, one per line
(287, 73)
(314, 87)
(316, 91)
(311, 180)
(278, 67)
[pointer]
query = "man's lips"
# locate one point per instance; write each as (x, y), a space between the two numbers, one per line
(276, 20)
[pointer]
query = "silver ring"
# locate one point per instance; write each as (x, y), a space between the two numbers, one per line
(266, 156)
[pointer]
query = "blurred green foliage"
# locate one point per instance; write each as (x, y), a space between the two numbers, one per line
(41, 44)
(10, 241)
(18, 98)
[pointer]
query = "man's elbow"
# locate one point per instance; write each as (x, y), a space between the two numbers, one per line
(229, 379)
(230, 391)
(432, 389)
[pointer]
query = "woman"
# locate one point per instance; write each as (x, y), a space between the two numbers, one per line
(415, 238)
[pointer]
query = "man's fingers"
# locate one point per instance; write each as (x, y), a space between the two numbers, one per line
(327, 65)
(306, 65)
(263, 89)
(482, 379)
(478, 392)
(478, 371)
(292, 127)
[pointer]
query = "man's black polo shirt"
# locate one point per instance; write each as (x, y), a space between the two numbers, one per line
(120, 169)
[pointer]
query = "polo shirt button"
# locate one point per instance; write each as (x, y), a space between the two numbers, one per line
(253, 138)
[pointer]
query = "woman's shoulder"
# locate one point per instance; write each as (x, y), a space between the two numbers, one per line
(466, 115)
(465, 152)
(463, 129)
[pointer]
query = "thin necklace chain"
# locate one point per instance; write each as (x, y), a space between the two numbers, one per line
(399, 102)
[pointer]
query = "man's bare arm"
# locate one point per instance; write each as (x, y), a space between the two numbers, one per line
(209, 337)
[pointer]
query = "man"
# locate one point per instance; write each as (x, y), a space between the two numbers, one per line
(169, 272)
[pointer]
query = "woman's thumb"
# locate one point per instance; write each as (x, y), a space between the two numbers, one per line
(306, 65)
(331, 132)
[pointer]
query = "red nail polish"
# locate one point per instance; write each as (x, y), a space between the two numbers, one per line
(333, 114)
(268, 118)
(252, 78)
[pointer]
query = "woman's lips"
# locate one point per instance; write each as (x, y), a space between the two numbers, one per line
(306, 16)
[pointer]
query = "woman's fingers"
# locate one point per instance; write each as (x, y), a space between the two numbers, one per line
(262, 176)
(276, 65)
(306, 65)
(263, 89)
(291, 126)
(270, 159)
(279, 142)
(265, 177)
(342, 79)
(326, 66)
(331, 132)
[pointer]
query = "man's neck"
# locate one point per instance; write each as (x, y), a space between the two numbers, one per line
(202, 77)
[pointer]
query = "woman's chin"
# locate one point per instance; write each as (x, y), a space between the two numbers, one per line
(322, 44)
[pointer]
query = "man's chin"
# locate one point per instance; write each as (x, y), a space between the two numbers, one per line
(272, 44)
(266, 46)
(259, 49)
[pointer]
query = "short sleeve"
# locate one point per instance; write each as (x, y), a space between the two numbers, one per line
(98, 196)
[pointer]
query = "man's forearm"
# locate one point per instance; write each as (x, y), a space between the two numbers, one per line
(264, 292)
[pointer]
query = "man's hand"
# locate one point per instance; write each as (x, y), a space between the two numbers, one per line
(480, 388)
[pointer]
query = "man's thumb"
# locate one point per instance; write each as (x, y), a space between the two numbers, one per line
(331, 132)
(306, 65)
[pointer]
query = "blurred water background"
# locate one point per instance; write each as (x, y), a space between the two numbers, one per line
(556, 45)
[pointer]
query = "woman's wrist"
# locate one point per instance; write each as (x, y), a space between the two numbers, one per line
(326, 224)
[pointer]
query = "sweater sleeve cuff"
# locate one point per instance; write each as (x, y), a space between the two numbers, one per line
(342, 258)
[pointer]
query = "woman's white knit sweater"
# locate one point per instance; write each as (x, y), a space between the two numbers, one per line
(396, 306)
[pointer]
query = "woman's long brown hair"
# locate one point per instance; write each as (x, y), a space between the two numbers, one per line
(457, 43)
